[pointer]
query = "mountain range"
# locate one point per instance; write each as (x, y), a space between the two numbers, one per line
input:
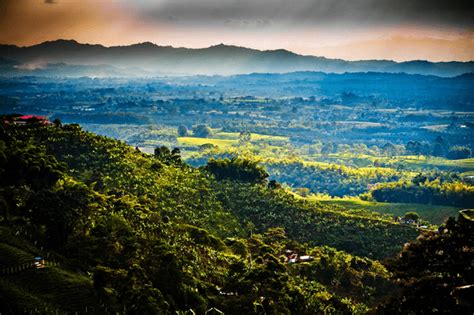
(68, 57)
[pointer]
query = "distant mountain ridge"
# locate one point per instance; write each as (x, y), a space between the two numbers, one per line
(221, 59)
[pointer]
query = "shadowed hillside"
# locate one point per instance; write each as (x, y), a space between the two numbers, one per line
(143, 233)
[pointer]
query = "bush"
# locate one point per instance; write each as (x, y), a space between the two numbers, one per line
(459, 152)
(411, 216)
(237, 169)
(182, 131)
(202, 131)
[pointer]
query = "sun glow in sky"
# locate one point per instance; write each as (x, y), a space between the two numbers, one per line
(353, 30)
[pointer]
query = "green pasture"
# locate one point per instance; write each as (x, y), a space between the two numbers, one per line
(194, 142)
(432, 213)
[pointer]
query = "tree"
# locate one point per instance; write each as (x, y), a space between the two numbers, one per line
(237, 169)
(273, 184)
(176, 155)
(327, 148)
(182, 131)
(419, 179)
(60, 210)
(244, 137)
(162, 152)
(202, 131)
(413, 148)
(459, 152)
(303, 191)
(168, 157)
(207, 146)
(439, 147)
(434, 271)
(348, 97)
(57, 122)
(411, 216)
(389, 149)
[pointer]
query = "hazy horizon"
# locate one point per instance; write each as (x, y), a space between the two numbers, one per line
(224, 44)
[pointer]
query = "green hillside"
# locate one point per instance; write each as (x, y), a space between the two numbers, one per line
(25, 289)
(431, 213)
(150, 234)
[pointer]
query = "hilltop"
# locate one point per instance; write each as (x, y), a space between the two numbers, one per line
(151, 59)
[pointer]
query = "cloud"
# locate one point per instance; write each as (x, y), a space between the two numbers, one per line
(26, 21)
(248, 23)
(402, 48)
(453, 13)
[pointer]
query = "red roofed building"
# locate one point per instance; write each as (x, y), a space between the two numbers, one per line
(26, 119)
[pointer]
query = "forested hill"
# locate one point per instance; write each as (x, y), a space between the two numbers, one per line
(76, 59)
(142, 233)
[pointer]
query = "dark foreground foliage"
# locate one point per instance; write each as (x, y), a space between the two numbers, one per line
(146, 234)
(436, 272)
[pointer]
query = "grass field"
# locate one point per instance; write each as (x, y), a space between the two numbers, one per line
(227, 139)
(411, 162)
(431, 213)
(464, 164)
(194, 142)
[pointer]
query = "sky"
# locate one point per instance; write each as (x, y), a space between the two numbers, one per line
(400, 30)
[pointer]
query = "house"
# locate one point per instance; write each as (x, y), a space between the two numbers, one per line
(39, 263)
(25, 119)
(306, 258)
(292, 257)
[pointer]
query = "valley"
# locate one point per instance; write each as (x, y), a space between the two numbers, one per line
(259, 193)
(317, 134)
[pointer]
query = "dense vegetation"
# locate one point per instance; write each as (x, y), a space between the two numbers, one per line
(264, 208)
(435, 272)
(332, 179)
(426, 192)
(435, 194)
(152, 234)
(337, 135)
(323, 178)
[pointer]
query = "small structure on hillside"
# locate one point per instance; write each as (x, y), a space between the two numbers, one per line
(39, 263)
(306, 258)
(25, 119)
(293, 257)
